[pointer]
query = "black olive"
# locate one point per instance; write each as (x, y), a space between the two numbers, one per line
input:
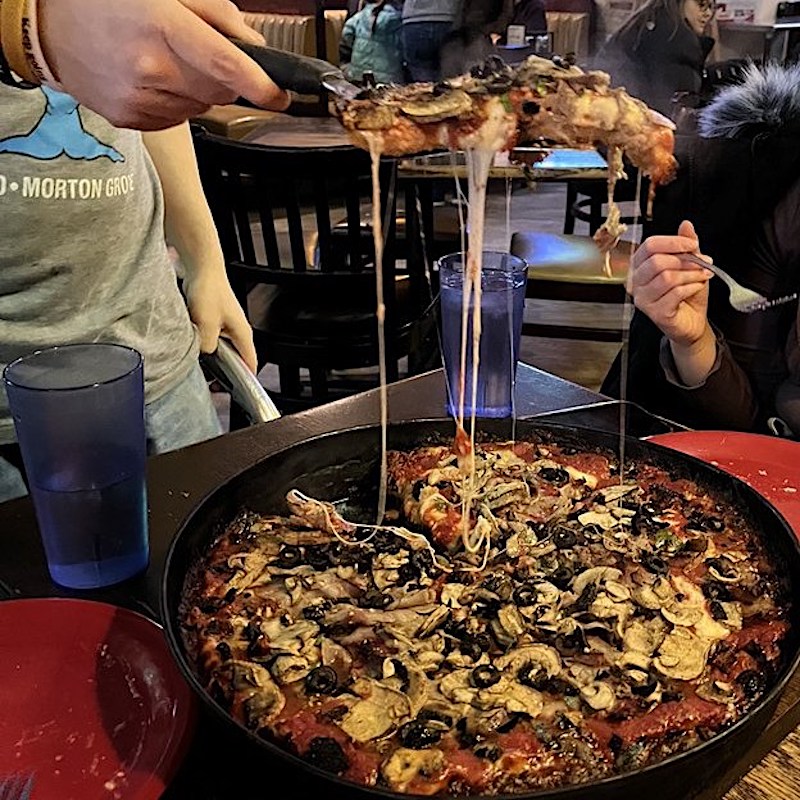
(717, 611)
(224, 649)
(316, 612)
(671, 697)
(716, 590)
(317, 557)
(509, 724)
(440, 88)
(406, 573)
(387, 542)
(701, 522)
(648, 510)
(532, 675)
(588, 596)
(373, 598)
(570, 643)
(422, 561)
(645, 689)
(484, 676)
(562, 577)
(431, 714)
(401, 671)
(558, 686)
(419, 734)
(753, 683)
(564, 538)
(289, 556)
(722, 566)
(525, 595)
(475, 646)
(486, 606)
(529, 107)
(615, 743)
(488, 751)
(252, 631)
(210, 606)
(466, 737)
(322, 680)
(230, 595)
(327, 754)
(653, 563)
(555, 475)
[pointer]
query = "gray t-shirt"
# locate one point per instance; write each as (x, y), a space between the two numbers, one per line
(431, 10)
(83, 255)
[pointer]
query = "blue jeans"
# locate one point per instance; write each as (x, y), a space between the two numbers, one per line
(184, 415)
(422, 48)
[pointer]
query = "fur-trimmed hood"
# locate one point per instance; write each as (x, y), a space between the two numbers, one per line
(765, 102)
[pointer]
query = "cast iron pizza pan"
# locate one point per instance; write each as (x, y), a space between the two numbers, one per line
(343, 467)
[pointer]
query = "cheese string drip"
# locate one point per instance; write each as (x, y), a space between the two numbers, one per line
(479, 162)
(375, 150)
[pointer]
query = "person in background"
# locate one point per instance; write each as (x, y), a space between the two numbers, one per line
(371, 43)
(471, 41)
(85, 224)
(531, 14)
(660, 51)
(426, 25)
(149, 64)
(693, 358)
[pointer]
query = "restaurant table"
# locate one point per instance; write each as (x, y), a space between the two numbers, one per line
(220, 765)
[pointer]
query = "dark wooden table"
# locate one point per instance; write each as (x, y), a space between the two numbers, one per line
(220, 766)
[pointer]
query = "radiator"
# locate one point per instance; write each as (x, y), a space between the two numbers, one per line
(295, 32)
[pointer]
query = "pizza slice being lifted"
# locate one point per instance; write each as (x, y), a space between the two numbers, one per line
(496, 107)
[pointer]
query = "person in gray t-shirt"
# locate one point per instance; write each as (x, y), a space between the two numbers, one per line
(86, 212)
(426, 24)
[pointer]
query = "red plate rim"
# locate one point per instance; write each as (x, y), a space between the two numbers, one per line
(77, 628)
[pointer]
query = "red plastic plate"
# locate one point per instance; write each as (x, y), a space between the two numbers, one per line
(769, 464)
(92, 704)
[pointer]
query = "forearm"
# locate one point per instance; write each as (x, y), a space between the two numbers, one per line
(694, 361)
(723, 398)
(188, 224)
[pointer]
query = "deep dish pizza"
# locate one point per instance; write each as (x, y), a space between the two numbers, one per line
(571, 626)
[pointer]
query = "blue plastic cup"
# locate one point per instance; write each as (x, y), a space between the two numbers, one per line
(79, 416)
(503, 301)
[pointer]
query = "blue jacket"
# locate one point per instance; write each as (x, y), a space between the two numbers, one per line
(378, 51)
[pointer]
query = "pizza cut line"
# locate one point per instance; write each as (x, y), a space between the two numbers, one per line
(586, 624)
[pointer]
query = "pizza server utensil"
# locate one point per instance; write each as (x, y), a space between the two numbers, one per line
(297, 73)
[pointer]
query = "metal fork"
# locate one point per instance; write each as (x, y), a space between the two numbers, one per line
(16, 787)
(742, 299)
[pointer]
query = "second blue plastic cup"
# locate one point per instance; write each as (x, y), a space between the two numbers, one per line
(503, 283)
(79, 416)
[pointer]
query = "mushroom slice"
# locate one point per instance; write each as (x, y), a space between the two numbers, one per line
(611, 493)
(682, 614)
(261, 698)
(594, 575)
(435, 619)
(644, 637)
(289, 669)
(519, 699)
(405, 765)
(379, 711)
(451, 104)
(511, 621)
(655, 597)
(542, 655)
(682, 655)
(599, 695)
(603, 519)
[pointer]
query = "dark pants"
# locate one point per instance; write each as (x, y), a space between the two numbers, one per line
(422, 47)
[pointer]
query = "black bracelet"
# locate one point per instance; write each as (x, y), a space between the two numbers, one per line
(9, 78)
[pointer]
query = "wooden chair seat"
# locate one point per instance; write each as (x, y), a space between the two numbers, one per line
(570, 268)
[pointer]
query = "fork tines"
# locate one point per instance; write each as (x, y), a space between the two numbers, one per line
(763, 305)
